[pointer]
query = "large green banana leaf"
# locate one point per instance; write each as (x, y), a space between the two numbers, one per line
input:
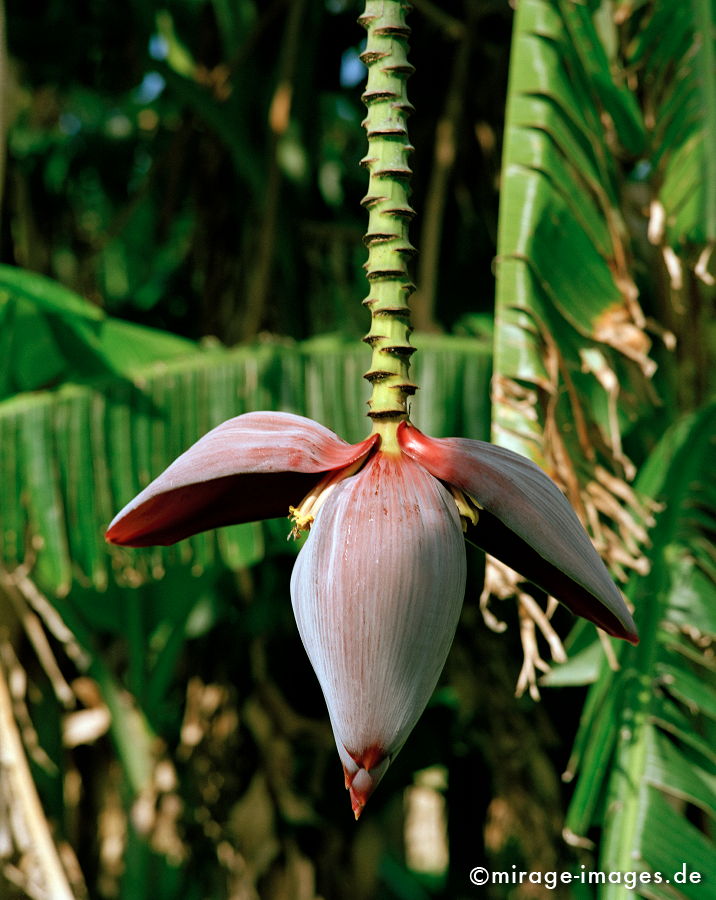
(610, 128)
(74, 456)
(646, 749)
(610, 106)
(566, 297)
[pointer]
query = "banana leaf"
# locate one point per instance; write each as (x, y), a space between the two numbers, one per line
(645, 749)
(73, 456)
(607, 107)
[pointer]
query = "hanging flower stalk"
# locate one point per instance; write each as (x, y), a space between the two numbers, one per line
(389, 249)
(378, 586)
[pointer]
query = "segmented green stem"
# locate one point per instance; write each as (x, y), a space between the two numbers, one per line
(390, 213)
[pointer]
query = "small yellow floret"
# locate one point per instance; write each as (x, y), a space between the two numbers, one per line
(467, 507)
(302, 516)
(300, 522)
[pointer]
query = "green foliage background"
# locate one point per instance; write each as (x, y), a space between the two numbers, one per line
(181, 242)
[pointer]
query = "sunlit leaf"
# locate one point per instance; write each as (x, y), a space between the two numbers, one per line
(77, 454)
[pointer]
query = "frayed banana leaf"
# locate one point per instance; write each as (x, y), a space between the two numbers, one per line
(563, 280)
(645, 749)
(72, 457)
(609, 108)
(612, 109)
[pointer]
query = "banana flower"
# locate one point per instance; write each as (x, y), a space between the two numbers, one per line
(378, 586)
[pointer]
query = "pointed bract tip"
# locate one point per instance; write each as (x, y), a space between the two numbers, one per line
(360, 786)
(632, 637)
(362, 777)
(359, 791)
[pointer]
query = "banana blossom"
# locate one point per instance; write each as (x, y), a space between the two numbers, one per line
(378, 586)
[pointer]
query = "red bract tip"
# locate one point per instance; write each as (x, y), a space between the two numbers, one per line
(361, 782)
